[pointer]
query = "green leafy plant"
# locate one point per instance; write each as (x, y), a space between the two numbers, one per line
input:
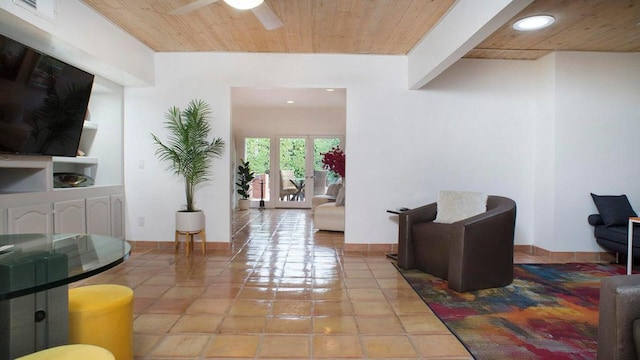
(245, 176)
(188, 148)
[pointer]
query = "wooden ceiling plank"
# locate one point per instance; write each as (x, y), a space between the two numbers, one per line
(327, 27)
(354, 12)
(151, 33)
(291, 14)
(216, 22)
(580, 26)
(315, 25)
(423, 28)
(340, 37)
(386, 14)
(405, 29)
(368, 26)
(276, 37)
(303, 22)
(412, 26)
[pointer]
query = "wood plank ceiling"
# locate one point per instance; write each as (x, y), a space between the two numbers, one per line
(369, 27)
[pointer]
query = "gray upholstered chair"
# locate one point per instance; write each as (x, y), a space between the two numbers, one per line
(472, 254)
(618, 321)
(319, 182)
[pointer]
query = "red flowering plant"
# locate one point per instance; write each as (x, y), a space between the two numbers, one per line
(334, 160)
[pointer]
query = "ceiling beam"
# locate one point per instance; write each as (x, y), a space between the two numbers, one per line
(466, 24)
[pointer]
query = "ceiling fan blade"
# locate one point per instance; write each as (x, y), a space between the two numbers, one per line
(267, 17)
(191, 7)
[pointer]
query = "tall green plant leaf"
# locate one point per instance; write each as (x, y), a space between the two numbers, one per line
(188, 148)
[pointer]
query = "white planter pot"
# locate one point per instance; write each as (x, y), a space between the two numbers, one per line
(190, 221)
(243, 204)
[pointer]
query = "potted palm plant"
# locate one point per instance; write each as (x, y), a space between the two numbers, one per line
(245, 177)
(189, 152)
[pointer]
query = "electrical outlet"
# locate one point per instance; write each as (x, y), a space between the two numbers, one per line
(141, 221)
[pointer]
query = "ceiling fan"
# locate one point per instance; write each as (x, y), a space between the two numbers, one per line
(260, 9)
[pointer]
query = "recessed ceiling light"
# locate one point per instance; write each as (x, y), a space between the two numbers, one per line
(534, 23)
(289, 101)
(330, 90)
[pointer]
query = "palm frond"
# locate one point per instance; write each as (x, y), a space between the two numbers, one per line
(188, 148)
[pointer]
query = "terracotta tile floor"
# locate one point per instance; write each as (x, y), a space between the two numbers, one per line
(284, 291)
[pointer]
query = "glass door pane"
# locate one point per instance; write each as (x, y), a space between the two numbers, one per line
(322, 178)
(293, 178)
(257, 152)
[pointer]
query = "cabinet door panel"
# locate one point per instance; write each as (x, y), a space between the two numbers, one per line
(3, 221)
(69, 217)
(117, 216)
(30, 219)
(99, 215)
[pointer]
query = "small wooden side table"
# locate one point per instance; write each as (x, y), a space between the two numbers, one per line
(188, 241)
(632, 220)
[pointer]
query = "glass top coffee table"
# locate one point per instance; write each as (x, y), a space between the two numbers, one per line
(35, 270)
(30, 263)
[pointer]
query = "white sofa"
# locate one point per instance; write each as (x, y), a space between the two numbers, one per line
(329, 196)
(329, 216)
(318, 200)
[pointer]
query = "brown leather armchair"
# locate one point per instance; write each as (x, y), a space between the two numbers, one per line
(472, 254)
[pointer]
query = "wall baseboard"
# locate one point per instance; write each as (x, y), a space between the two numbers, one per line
(393, 248)
(370, 248)
(577, 256)
(148, 245)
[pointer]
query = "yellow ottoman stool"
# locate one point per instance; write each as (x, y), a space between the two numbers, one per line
(102, 315)
(71, 352)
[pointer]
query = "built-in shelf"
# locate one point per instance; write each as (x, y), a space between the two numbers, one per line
(80, 160)
(86, 165)
(88, 125)
(100, 145)
(21, 173)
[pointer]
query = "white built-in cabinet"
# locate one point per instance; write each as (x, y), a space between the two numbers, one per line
(30, 219)
(117, 216)
(99, 215)
(29, 202)
(3, 221)
(69, 216)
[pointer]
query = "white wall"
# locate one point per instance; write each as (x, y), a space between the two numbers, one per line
(544, 153)
(158, 199)
(546, 133)
(470, 129)
(539, 132)
(268, 122)
(596, 139)
(466, 131)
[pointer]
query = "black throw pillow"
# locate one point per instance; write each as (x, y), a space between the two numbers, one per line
(615, 210)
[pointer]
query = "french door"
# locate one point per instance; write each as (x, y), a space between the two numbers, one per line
(294, 177)
(292, 173)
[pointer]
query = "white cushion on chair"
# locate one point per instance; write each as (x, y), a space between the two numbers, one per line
(333, 189)
(459, 205)
(340, 197)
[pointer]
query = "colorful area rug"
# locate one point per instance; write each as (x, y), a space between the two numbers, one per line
(550, 311)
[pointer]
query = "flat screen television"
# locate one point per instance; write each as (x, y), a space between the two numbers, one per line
(43, 102)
